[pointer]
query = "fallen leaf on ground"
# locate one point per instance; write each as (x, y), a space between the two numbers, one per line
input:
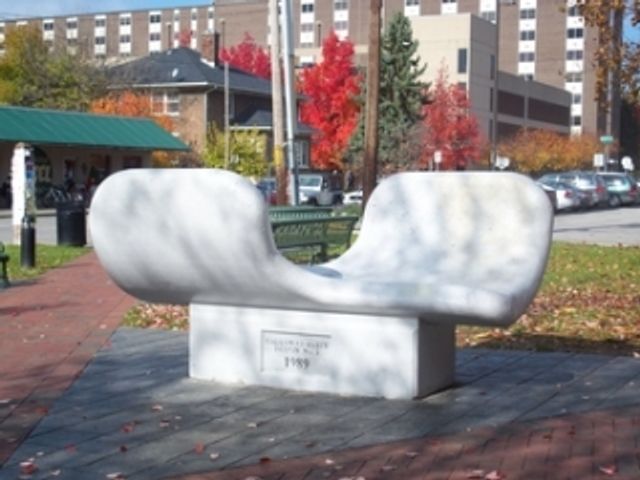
(128, 427)
(157, 408)
(42, 410)
(608, 469)
(115, 476)
(123, 448)
(388, 468)
(71, 448)
(411, 454)
(264, 460)
(252, 425)
(28, 468)
(165, 423)
(494, 475)
(55, 473)
(214, 456)
(476, 474)
(328, 461)
(199, 448)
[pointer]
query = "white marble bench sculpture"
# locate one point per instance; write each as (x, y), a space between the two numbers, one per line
(434, 250)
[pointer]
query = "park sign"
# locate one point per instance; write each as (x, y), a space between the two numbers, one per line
(606, 139)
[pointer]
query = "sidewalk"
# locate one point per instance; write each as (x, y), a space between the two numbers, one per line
(81, 398)
(49, 330)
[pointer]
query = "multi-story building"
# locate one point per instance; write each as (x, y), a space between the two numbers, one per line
(541, 40)
(120, 35)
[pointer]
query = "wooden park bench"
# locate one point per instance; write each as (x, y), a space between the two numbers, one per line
(4, 260)
(434, 250)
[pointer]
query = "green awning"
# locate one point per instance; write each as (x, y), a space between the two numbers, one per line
(54, 127)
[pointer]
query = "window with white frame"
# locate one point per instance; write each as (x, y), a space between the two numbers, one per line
(125, 20)
(100, 22)
(575, 54)
(527, 35)
(527, 14)
(165, 103)
(340, 5)
(526, 56)
(575, 33)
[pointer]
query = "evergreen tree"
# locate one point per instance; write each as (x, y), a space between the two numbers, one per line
(402, 98)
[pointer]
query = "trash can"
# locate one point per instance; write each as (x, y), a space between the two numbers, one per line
(71, 224)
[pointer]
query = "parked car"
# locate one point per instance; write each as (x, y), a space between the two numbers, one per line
(267, 187)
(320, 188)
(588, 182)
(565, 196)
(352, 198)
(622, 188)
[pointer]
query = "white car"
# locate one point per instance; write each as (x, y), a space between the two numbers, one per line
(352, 198)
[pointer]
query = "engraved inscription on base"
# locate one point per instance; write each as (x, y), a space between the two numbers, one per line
(294, 352)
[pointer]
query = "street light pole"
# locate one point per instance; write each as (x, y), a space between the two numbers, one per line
(496, 90)
(369, 173)
(227, 133)
(276, 102)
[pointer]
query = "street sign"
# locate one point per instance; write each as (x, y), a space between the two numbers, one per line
(598, 160)
(606, 139)
(437, 156)
(502, 162)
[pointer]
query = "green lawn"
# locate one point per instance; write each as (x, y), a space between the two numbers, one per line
(47, 257)
(589, 302)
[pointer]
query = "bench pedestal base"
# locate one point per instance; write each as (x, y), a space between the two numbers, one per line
(391, 357)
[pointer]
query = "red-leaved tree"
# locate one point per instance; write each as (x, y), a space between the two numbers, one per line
(330, 107)
(450, 127)
(249, 57)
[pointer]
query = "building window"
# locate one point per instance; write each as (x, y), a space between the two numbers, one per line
(154, 37)
(443, 1)
(462, 60)
(527, 35)
(72, 24)
(100, 41)
(341, 25)
(411, 3)
(527, 13)
(491, 99)
(576, 120)
(125, 20)
(176, 15)
(155, 18)
(47, 26)
(306, 27)
(101, 22)
(575, 33)
(574, 77)
(125, 38)
(194, 15)
(165, 103)
(340, 5)
(492, 67)
(574, 54)
(307, 8)
(489, 16)
(576, 98)
(527, 56)
(573, 11)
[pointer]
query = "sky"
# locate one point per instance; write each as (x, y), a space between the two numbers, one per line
(39, 8)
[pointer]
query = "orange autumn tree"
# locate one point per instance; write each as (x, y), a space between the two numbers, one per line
(537, 151)
(133, 104)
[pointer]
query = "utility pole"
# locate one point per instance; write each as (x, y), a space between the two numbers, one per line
(290, 100)
(276, 101)
(370, 162)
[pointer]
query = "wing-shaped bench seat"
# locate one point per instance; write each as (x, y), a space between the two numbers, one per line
(434, 250)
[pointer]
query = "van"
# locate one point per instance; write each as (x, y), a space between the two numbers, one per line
(320, 188)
